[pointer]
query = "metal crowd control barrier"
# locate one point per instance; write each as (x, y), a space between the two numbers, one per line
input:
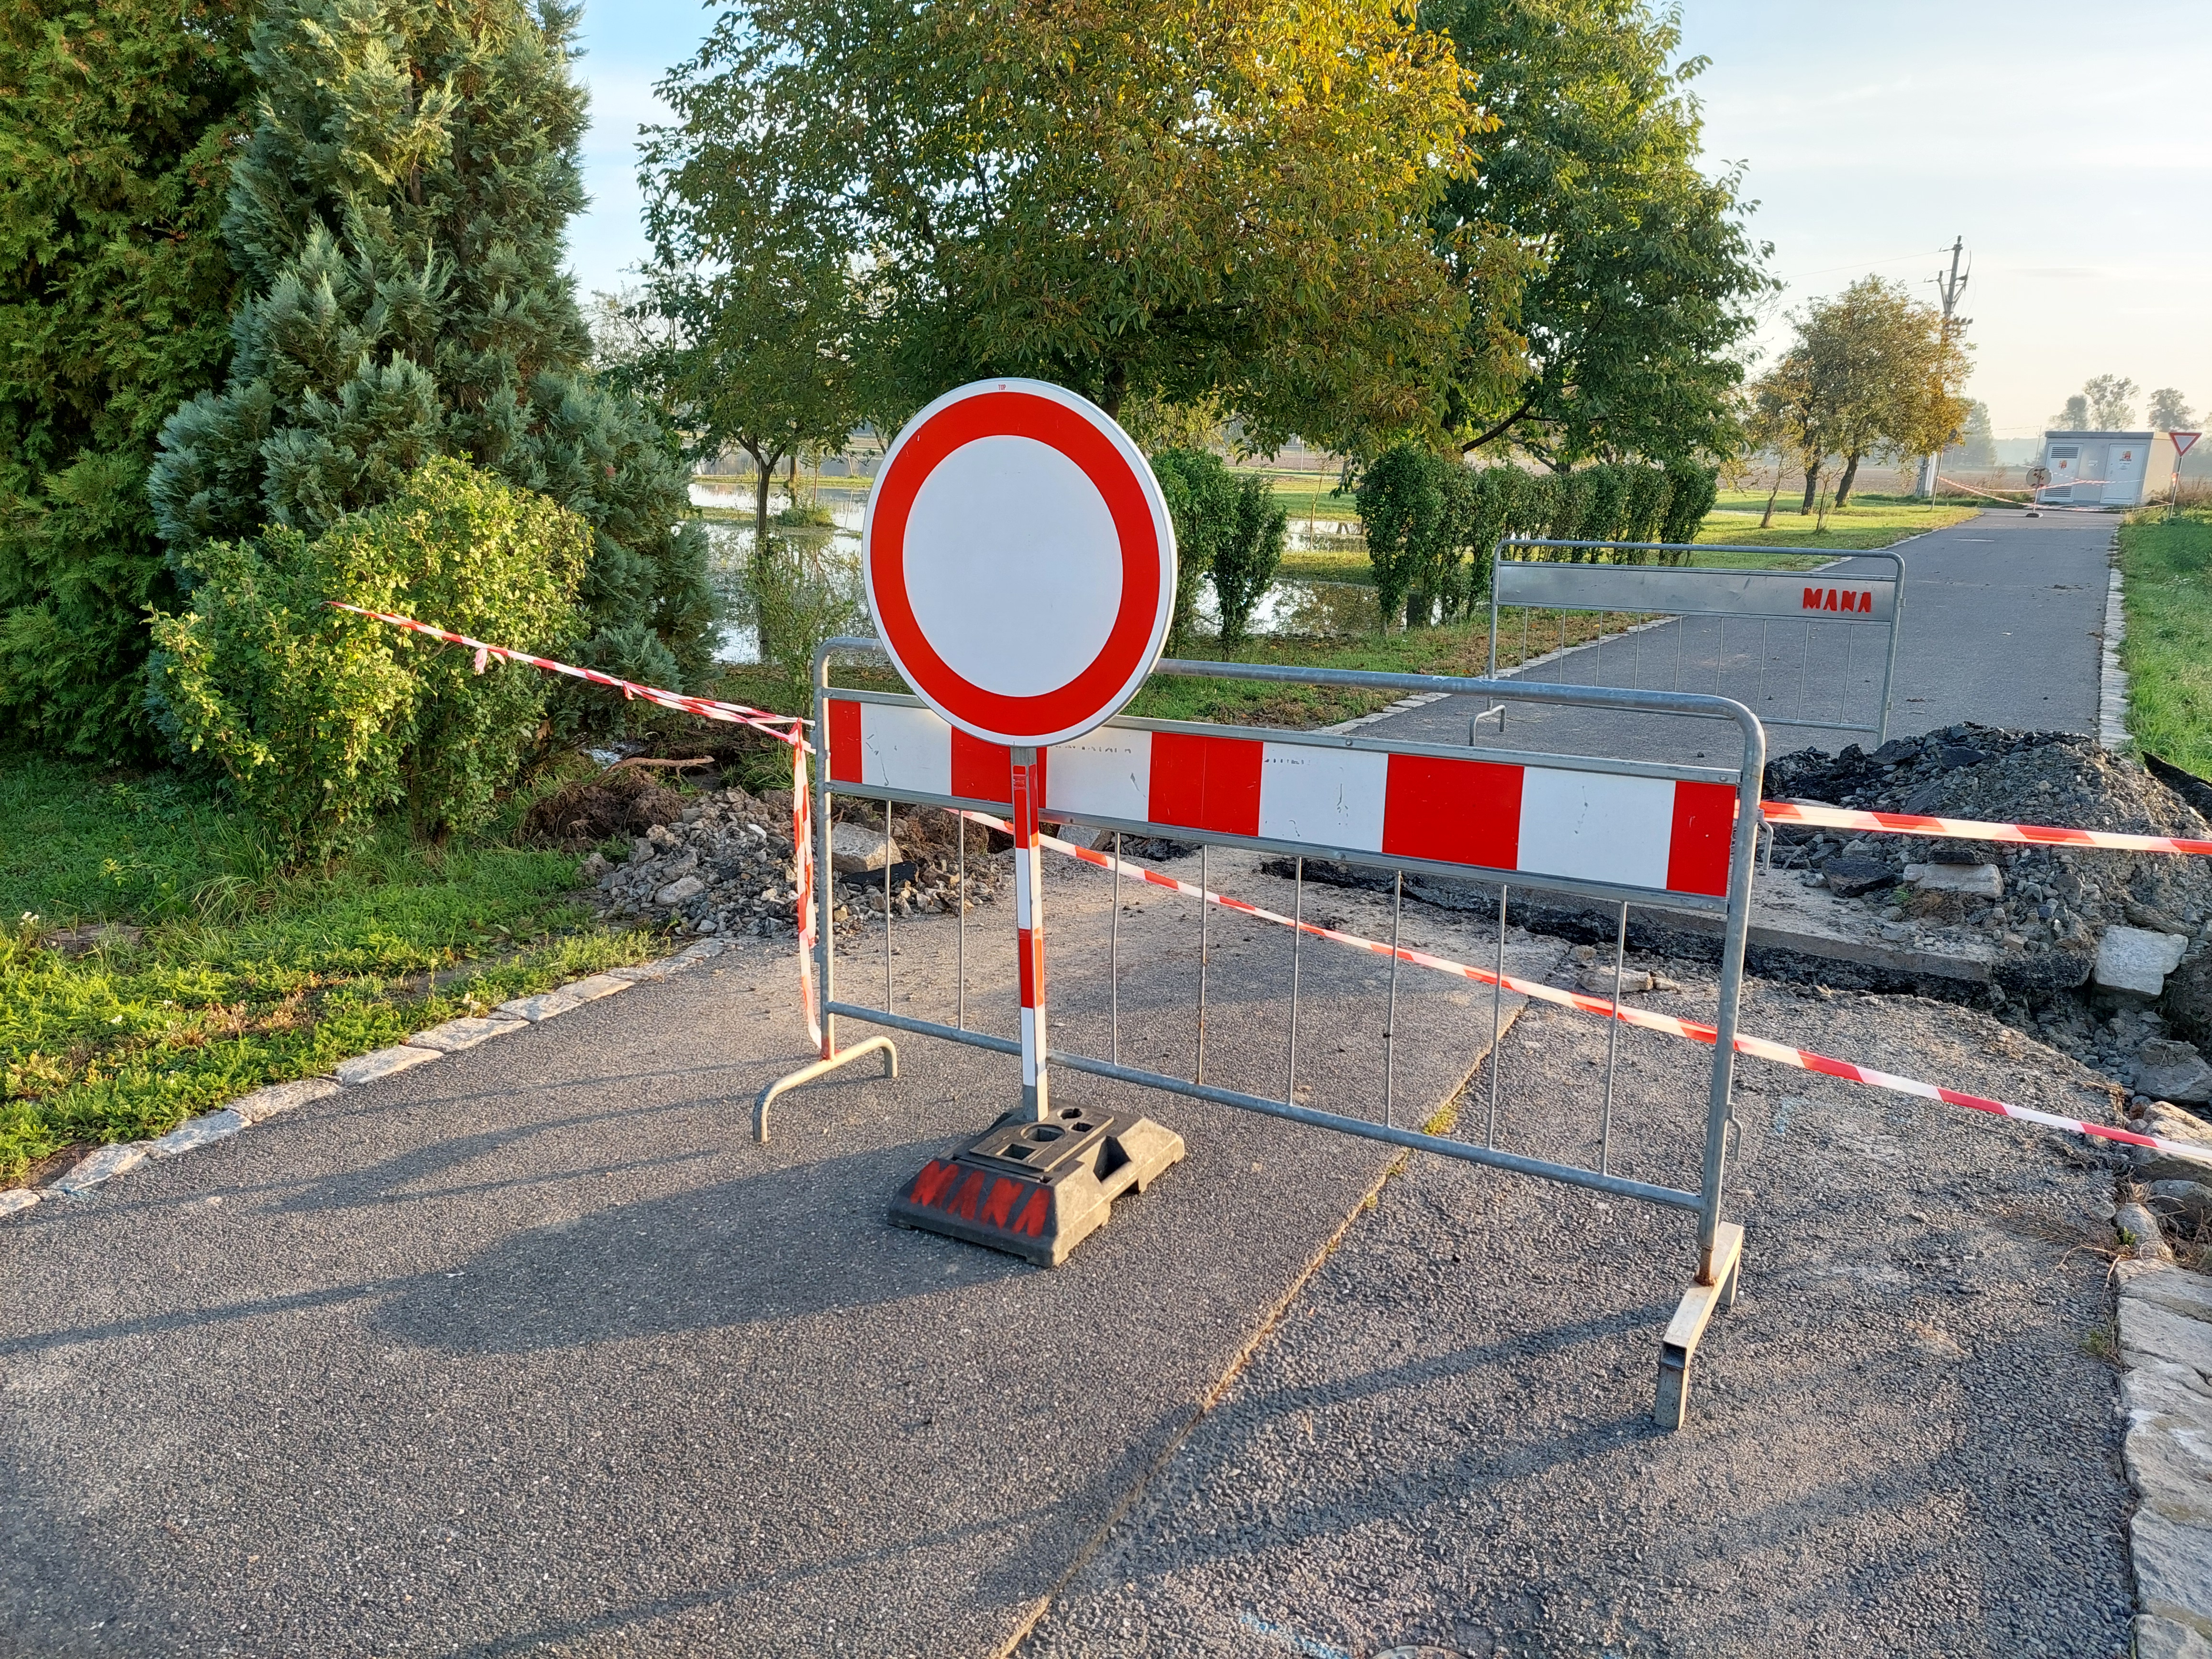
(1622, 832)
(1833, 611)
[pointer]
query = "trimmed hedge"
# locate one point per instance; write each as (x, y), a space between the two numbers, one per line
(1432, 523)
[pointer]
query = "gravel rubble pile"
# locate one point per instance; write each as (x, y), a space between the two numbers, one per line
(723, 866)
(2053, 906)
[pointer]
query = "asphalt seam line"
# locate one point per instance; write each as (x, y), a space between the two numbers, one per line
(1242, 1357)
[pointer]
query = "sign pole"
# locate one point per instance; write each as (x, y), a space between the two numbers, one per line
(1020, 564)
(1029, 930)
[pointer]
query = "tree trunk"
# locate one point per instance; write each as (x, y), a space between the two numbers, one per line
(1116, 388)
(763, 476)
(1766, 520)
(1812, 486)
(1844, 485)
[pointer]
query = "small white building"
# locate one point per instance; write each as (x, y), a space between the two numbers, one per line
(2106, 469)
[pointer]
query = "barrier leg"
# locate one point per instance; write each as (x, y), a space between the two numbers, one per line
(821, 1069)
(1678, 1348)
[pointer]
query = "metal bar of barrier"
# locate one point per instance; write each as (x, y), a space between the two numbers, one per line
(1735, 928)
(1580, 574)
(1413, 1139)
(1390, 1020)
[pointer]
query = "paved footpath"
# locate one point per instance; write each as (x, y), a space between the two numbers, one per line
(533, 1351)
(2003, 622)
(1904, 1440)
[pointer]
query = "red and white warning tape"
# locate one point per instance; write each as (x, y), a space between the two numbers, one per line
(787, 729)
(2024, 834)
(1780, 1054)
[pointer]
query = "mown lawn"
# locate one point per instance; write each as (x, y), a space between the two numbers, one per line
(2166, 568)
(243, 973)
(1869, 522)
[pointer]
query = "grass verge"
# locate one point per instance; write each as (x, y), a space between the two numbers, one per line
(218, 972)
(2167, 570)
(1868, 523)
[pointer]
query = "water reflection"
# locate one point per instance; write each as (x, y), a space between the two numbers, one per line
(1293, 608)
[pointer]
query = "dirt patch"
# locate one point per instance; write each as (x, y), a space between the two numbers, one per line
(623, 802)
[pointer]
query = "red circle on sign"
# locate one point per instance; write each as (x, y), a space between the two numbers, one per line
(1016, 556)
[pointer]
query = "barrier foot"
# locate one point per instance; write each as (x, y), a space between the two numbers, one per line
(1037, 1190)
(821, 1069)
(1679, 1347)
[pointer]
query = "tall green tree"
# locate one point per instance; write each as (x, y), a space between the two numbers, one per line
(116, 119)
(2112, 401)
(2169, 410)
(396, 218)
(1638, 273)
(1163, 199)
(1870, 371)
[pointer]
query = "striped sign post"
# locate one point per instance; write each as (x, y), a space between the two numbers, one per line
(1020, 565)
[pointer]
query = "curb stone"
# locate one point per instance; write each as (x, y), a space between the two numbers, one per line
(382, 1062)
(2111, 679)
(264, 1103)
(2165, 1318)
(261, 1104)
(104, 1164)
(455, 1034)
(198, 1132)
(543, 1005)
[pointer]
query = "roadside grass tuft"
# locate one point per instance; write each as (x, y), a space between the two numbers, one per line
(2166, 568)
(244, 974)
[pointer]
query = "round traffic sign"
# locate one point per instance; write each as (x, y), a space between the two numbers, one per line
(1020, 565)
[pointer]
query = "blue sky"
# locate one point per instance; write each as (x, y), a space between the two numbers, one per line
(2069, 146)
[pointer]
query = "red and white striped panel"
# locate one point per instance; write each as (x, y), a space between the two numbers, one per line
(1662, 835)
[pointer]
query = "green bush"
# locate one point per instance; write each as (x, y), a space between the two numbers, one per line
(1425, 514)
(115, 294)
(798, 598)
(320, 718)
(1691, 490)
(1229, 530)
(397, 219)
(1198, 488)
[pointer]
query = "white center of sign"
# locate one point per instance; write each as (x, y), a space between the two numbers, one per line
(1012, 566)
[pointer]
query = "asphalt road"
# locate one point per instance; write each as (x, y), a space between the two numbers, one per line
(2004, 624)
(533, 1351)
(1904, 1440)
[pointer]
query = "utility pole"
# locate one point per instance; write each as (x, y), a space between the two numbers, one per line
(1951, 287)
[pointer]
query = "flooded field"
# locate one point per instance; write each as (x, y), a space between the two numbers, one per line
(1291, 607)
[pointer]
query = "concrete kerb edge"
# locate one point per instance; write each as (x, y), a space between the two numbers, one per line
(2161, 1629)
(206, 1128)
(2111, 679)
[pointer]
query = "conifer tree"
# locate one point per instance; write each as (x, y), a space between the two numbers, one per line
(396, 218)
(117, 120)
